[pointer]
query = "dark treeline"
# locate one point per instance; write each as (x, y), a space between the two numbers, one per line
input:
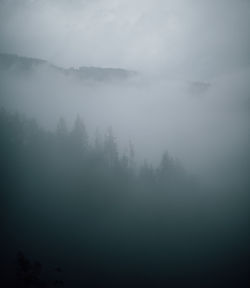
(106, 220)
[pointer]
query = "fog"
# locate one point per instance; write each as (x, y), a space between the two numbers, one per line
(141, 168)
(192, 39)
(199, 123)
(171, 44)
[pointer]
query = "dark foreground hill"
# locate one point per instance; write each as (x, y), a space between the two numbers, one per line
(79, 214)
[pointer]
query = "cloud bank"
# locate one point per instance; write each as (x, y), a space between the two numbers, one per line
(184, 39)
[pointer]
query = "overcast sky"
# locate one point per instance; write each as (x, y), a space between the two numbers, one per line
(186, 39)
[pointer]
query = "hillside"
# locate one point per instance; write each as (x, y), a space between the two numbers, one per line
(11, 61)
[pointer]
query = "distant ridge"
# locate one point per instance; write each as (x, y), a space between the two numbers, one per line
(8, 61)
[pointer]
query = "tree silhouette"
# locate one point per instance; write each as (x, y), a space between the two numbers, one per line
(102, 213)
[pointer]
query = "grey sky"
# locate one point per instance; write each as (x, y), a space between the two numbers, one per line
(184, 39)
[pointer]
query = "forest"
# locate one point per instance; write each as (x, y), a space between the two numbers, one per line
(77, 212)
(124, 143)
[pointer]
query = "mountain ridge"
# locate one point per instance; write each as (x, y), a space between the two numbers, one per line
(8, 61)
